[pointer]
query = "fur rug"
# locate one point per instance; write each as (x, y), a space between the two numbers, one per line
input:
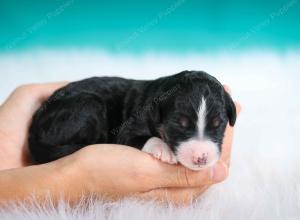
(265, 170)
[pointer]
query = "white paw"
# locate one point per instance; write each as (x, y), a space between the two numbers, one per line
(160, 150)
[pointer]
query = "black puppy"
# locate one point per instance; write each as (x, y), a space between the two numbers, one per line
(178, 118)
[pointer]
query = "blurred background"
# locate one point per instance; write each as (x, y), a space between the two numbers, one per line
(133, 26)
(251, 45)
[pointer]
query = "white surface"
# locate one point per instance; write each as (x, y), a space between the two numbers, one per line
(265, 170)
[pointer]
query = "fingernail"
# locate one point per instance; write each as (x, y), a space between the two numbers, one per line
(218, 172)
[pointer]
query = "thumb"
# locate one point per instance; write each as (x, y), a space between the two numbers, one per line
(46, 89)
(177, 196)
(166, 175)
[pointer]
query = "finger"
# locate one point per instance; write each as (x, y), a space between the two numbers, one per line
(166, 175)
(237, 105)
(176, 196)
(227, 144)
(32, 94)
(238, 108)
(227, 88)
(228, 138)
(47, 89)
(17, 110)
(38, 93)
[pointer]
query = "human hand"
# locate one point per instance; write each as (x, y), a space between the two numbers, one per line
(15, 117)
(116, 171)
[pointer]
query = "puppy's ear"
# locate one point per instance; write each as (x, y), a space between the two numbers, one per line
(230, 109)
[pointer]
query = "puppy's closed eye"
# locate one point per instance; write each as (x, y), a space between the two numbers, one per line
(184, 122)
(216, 122)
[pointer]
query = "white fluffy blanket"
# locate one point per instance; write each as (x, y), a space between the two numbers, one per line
(264, 181)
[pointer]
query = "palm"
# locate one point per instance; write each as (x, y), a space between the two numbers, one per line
(15, 118)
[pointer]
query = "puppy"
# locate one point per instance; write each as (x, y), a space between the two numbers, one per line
(179, 118)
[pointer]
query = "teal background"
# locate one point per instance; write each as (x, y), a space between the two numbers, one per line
(139, 26)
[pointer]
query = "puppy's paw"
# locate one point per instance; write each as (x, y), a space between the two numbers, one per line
(160, 150)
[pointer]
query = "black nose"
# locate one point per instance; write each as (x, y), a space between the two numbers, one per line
(200, 161)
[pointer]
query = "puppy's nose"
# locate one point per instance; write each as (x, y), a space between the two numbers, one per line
(200, 160)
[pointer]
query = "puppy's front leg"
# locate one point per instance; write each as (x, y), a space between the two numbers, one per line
(160, 150)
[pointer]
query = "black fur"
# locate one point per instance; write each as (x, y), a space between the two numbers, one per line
(123, 111)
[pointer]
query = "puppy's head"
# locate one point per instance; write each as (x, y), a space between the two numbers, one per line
(194, 118)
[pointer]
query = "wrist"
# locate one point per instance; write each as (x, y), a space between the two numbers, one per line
(68, 178)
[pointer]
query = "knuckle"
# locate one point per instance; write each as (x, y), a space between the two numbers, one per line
(183, 177)
(228, 164)
(27, 88)
(225, 172)
(183, 200)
